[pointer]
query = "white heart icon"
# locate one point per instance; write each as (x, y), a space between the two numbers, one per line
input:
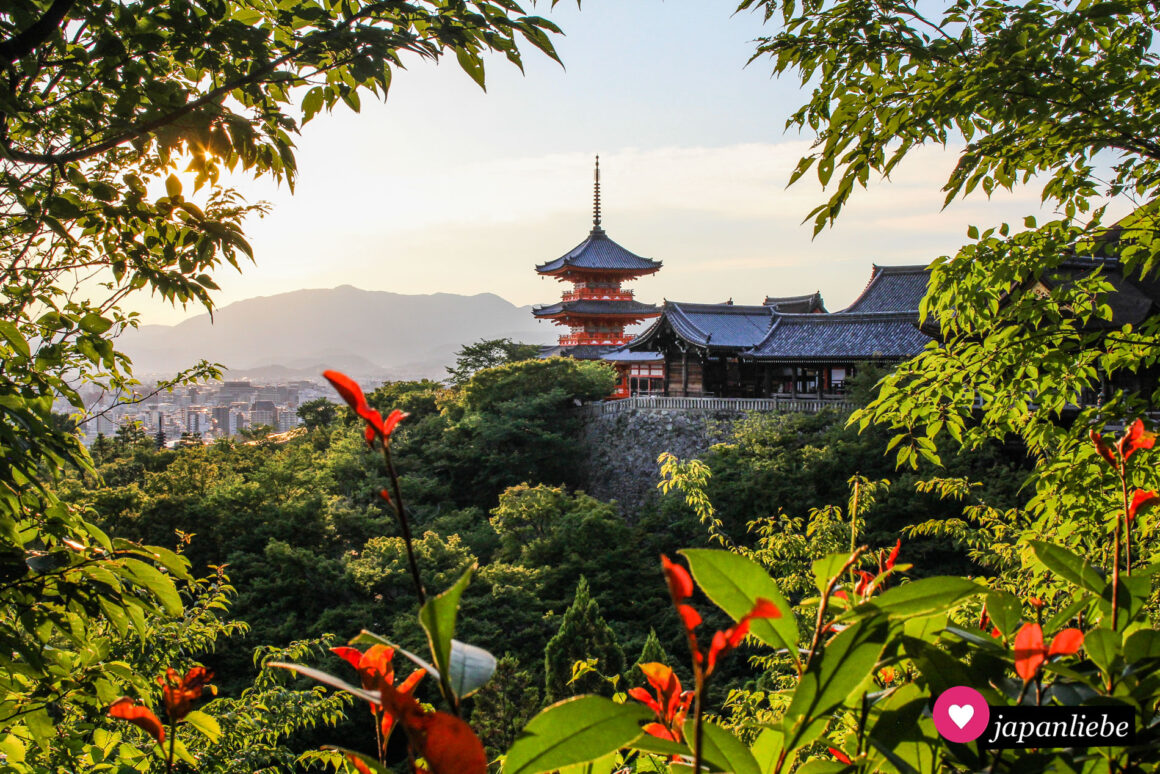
(961, 714)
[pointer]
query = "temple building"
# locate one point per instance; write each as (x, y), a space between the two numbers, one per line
(787, 347)
(597, 308)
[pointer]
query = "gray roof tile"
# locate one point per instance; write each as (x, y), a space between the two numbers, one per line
(597, 307)
(598, 252)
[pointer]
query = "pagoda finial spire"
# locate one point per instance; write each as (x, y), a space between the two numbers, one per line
(596, 198)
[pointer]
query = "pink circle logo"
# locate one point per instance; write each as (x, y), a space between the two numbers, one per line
(961, 714)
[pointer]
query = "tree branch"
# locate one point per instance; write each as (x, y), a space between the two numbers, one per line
(23, 43)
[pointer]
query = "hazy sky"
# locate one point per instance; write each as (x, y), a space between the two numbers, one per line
(447, 188)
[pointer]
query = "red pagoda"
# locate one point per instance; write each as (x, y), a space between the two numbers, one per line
(597, 309)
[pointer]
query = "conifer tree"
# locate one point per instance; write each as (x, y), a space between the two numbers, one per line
(583, 634)
(653, 651)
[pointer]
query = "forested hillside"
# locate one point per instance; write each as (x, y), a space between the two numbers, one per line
(315, 552)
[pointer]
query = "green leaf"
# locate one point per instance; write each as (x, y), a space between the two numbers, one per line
(438, 619)
(929, 596)
(603, 765)
(722, 750)
(470, 668)
(818, 766)
(767, 747)
(311, 103)
(95, 324)
(844, 664)
(368, 761)
(577, 730)
(829, 566)
(1005, 610)
(1065, 564)
(157, 582)
(173, 186)
(205, 724)
(14, 338)
(657, 746)
(1103, 647)
(472, 65)
(734, 583)
(1141, 645)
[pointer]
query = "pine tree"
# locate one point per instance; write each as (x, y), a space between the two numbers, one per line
(504, 706)
(583, 634)
(653, 651)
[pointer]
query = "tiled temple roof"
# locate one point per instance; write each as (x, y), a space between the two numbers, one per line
(810, 303)
(599, 253)
(892, 289)
(841, 336)
(882, 323)
(596, 308)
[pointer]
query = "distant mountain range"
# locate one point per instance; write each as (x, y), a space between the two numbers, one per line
(362, 332)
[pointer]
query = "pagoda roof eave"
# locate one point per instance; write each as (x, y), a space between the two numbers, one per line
(598, 253)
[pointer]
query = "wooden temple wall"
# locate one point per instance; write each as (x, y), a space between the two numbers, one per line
(684, 376)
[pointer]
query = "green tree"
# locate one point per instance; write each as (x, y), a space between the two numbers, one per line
(583, 634)
(514, 423)
(488, 353)
(504, 706)
(103, 103)
(317, 413)
(653, 651)
(1060, 95)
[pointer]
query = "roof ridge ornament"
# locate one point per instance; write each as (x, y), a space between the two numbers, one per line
(596, 229)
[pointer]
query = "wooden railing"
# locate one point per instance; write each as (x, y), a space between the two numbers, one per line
(597, 294)
(721, 405)
(576, 339)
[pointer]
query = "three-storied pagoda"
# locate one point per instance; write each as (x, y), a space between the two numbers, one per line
(597, 309)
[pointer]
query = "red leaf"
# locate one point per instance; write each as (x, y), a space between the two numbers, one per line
(690, 616)
(660, 732)
(369, 434)
(1143, 498)
(348, 388)
(763, 608)
(449, 745)
(375, 667)
(179, 694)
(392, 422)
(863, 583)
(383, 493)
(1029, 651)
(1134, 439)
(680, 582)
(406, 689)
(351, 656)
(1102, 448)
(126, 708)
(717, 647)
(893, 554)
(1066, 643)
(645, 698)
(358, 764)
(840, 756)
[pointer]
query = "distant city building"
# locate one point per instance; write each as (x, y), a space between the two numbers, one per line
(264, 412)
